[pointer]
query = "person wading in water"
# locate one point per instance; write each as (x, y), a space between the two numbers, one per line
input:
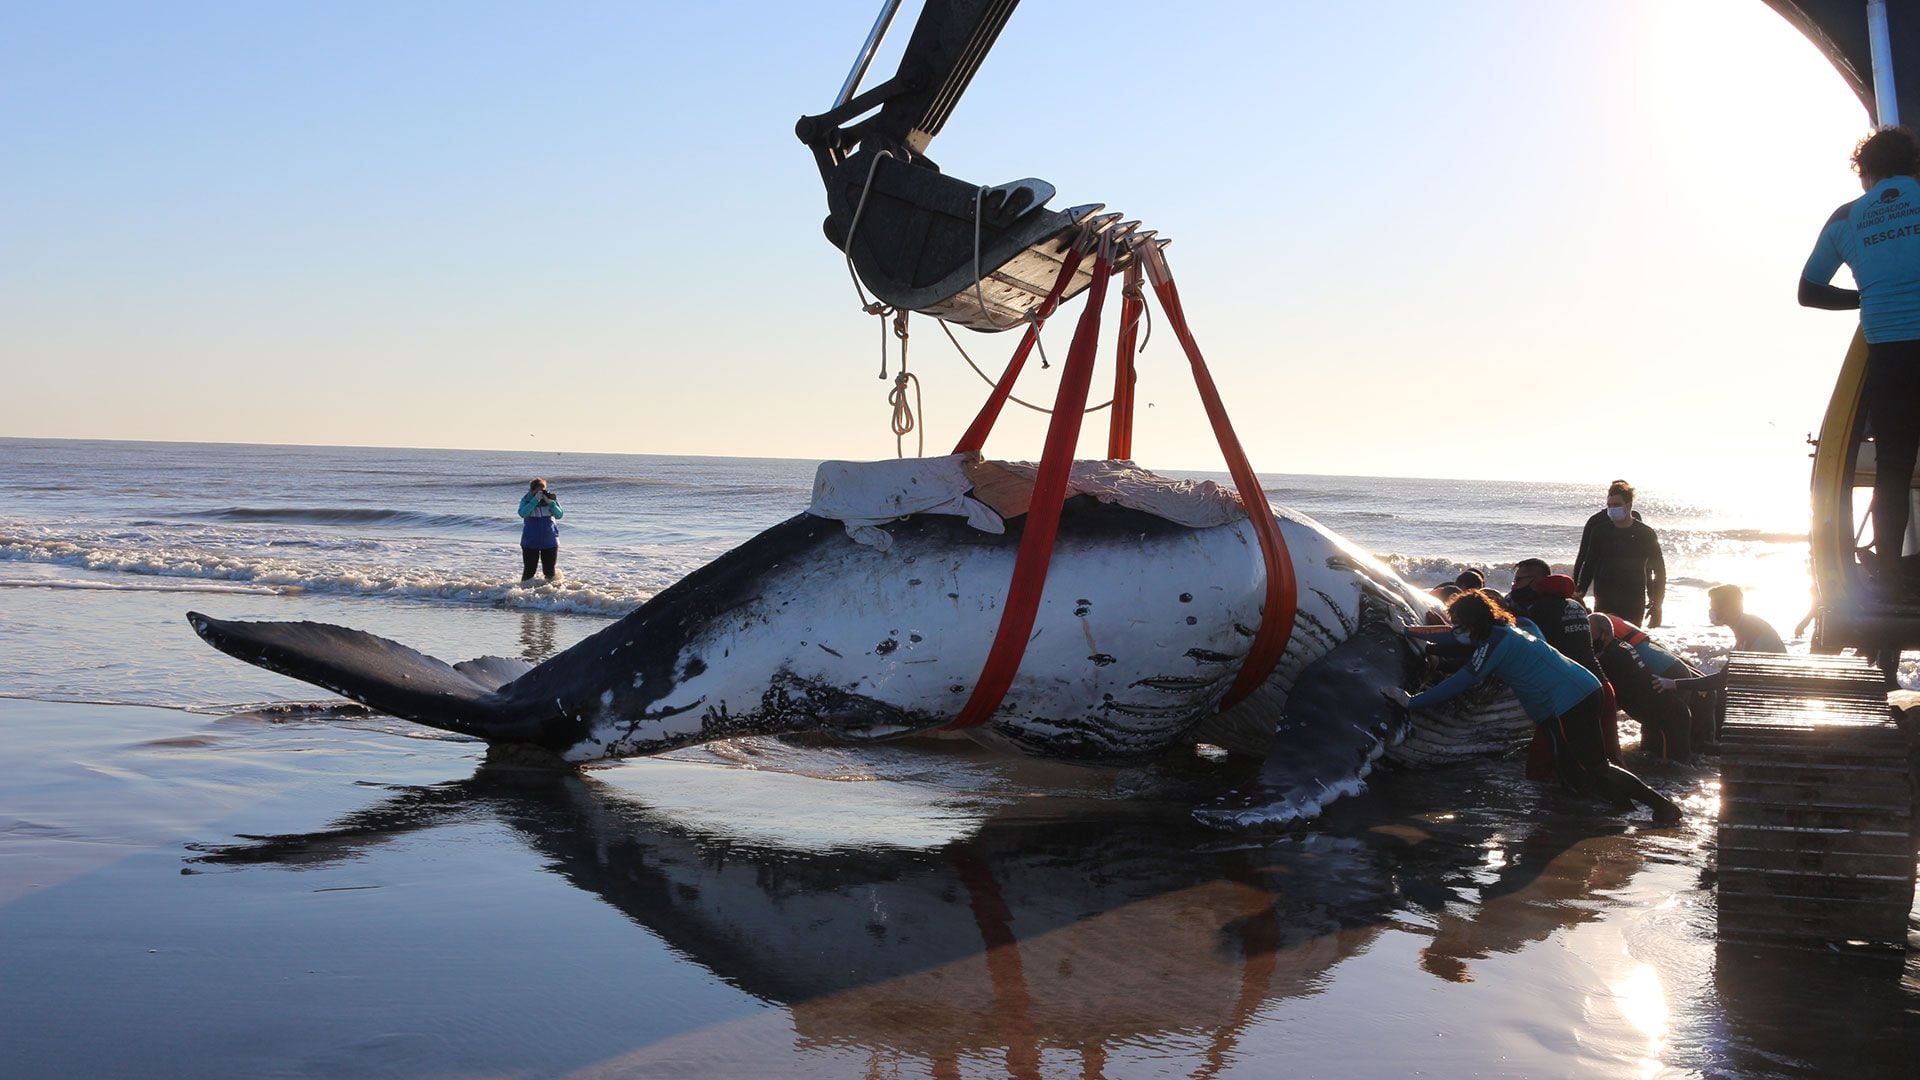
(1620, 561)
(539, 531)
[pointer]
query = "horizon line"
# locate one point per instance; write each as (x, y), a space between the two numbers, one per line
(1221, 469)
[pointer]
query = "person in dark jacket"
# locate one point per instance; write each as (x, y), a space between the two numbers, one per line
(1562, 620)
(539, 530)
(1666, 726)
(1620, 561)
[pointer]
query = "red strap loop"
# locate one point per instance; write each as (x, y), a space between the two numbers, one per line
(1277, 618)
(976, 434)
(1043, 512)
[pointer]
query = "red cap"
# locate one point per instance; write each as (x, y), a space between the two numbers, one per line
(1557, 586)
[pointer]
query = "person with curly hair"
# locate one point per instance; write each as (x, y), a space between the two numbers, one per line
(1877, 236)
(1560, 695)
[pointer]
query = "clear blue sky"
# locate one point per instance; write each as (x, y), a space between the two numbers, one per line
(589, 227)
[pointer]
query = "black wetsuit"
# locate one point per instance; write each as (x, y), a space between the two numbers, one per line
(1666, 727)
(1580, 755)
(1563, 623)
(1623, 567)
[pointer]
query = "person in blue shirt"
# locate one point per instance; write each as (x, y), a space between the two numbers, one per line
(539, 530)
(1560, 695)
(1877, 236)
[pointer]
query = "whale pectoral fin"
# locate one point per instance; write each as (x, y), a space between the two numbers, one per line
(493, 672)
(1335, 725)
(374, 671)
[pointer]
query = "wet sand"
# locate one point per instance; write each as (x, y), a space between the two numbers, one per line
(314, 895)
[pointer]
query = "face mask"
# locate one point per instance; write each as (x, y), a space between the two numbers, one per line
(1463, 637)
(1617, 513)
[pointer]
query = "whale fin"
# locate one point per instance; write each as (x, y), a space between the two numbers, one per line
(383, 674)
(1334, 727)
(494, 672)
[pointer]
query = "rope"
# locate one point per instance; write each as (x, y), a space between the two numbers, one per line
(1135, 292)
(903, 415)
(868, 305)
(988, 379)
(903, 422)
(979, 289)
(871, 307)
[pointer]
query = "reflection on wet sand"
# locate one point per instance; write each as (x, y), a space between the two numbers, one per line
(539, 635)
(1036, 939)
(1540, 883)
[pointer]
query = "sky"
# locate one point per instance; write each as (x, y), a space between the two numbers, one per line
(1481, 239)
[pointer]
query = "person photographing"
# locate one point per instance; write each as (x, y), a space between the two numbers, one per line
(540, 515)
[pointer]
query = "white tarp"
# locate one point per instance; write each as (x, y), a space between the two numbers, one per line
(864, 495)
(867, 494)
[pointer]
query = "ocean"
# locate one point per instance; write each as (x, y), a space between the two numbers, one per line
(208, 870)
(428, 539)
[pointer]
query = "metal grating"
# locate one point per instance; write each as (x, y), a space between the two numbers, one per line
(1816, 822)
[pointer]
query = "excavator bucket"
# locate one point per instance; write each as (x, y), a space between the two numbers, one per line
(921, 240)
(930, 243)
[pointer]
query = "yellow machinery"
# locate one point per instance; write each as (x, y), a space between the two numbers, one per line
(1877, 623)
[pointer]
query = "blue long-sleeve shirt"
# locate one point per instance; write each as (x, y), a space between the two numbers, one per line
(1546, 682)
(541, 529)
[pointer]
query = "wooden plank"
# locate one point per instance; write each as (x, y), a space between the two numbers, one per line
(1793, 885)
(1874, 865)
(1899, 842)
(1815, 839)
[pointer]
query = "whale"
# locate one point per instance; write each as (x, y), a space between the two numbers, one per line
(1142, 625)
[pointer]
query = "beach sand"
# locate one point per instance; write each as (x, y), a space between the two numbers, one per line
(311, 894)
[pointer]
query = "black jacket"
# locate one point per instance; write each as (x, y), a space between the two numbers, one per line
(1563, 623)
(1623, 568)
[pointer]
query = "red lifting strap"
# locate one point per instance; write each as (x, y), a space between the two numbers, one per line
(976, 436)
(1120, 423)
(1043, 512)
(1276, 621)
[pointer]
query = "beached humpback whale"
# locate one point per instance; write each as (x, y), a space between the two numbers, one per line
(1142, 626)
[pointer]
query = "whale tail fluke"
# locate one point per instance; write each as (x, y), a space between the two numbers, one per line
(383, 674)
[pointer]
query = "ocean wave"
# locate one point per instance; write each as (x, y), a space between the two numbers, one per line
(280, 575)
(349, 515)
(143, 586)
(1433, 569)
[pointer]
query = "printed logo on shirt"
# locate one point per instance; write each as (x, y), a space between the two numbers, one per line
(1890, 195)
(1890, 234)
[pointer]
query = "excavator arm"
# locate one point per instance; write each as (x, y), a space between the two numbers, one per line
(977, 256)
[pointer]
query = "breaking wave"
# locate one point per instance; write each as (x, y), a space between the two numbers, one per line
(343, 515)
(181, 568)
